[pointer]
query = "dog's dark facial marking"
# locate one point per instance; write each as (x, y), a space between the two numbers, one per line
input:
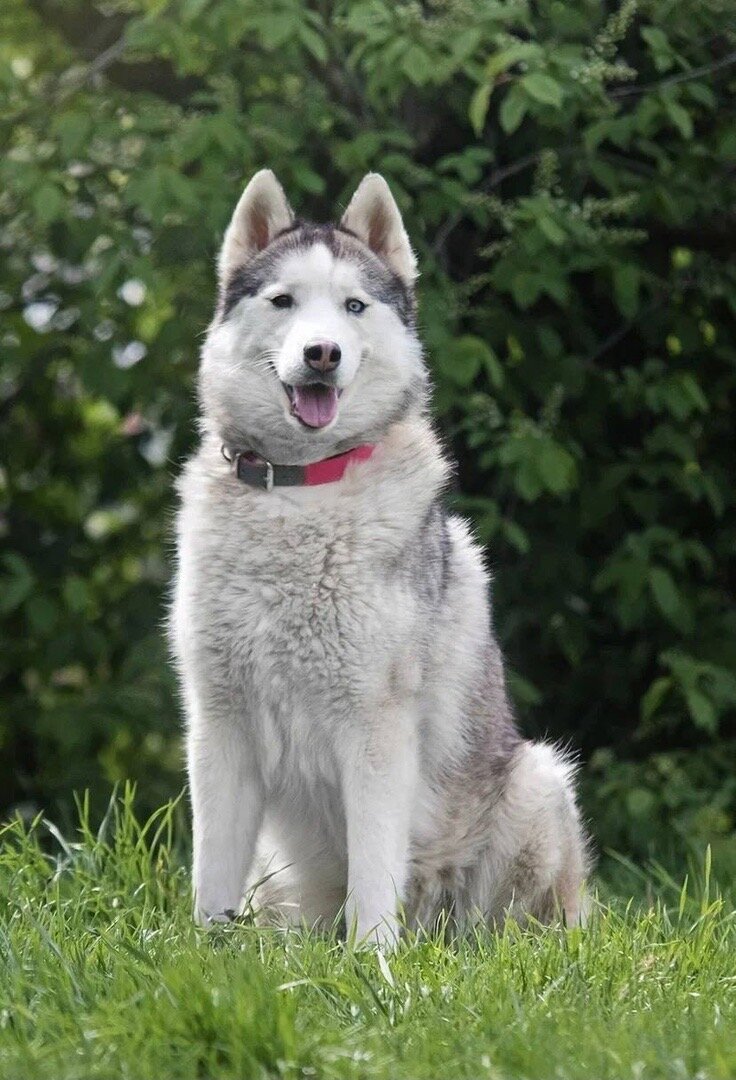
(380, 282)
(248, 280)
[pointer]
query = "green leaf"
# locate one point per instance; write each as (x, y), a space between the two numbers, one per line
(556, 467)
(418, 65)
(506, 58)
(551, 230)
(515, 535)
(694, 392)
(665, 592)
(16, 585)
(49, 203)
(654, 696)
(42, 614)
(466, 42)
(513, 110)
(528, 482)
(314, 43)
(702, 710)
(523, 690)
(626, 280)
(550, 340)
(543, 88)
(308, 179)
(494, 368)
(680, 117)
(640, 802)
(554, 284)
(72, 130)
(659, 46)
(525, 288)
(76, 594)
(463, 358)
(192, 9)
(278, 28)
(479, 106)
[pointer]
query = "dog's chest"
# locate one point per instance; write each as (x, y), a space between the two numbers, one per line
(306, 606)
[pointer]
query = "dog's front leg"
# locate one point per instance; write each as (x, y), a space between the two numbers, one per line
(227, 804)
(379, 781)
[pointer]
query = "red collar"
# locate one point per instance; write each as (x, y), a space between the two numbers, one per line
(257, 472)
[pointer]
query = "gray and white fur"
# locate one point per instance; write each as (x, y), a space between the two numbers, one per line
(349, 734)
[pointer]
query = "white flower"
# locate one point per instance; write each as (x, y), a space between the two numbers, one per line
(128, 355)
(21, 66)
(39, 314)
(133, 292)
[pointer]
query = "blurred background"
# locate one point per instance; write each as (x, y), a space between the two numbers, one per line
(567, 171)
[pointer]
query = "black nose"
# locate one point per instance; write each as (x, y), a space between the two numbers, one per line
(322, 355)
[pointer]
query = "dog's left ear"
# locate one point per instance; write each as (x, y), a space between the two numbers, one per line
(374, 217)
(261, 213)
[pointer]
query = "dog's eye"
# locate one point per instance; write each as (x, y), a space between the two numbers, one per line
(283, 301)
(355, 306)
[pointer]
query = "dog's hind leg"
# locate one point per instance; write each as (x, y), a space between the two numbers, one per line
(536, 861)
(298, 880)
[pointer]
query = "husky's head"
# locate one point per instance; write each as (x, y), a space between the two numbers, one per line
(313, 348)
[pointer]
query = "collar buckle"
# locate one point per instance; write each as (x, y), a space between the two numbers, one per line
(250, 468)
(268, 482)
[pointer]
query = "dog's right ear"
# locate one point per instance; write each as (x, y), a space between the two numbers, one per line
(261, 213)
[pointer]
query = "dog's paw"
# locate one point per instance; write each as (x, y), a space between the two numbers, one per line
(383, 937)
(206, 919)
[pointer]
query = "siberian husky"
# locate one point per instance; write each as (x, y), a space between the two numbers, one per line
(350, 738)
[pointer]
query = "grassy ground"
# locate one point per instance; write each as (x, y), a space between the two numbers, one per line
(103, 975)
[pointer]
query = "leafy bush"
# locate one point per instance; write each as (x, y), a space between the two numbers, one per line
(566, 172)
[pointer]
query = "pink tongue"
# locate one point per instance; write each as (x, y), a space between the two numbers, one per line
(315, 405)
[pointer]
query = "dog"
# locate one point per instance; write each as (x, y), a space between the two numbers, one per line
(350, 740)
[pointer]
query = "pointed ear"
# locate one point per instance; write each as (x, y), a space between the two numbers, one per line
(261, 213)
(373, 215)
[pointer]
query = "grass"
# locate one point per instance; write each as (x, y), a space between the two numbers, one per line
(104, 975)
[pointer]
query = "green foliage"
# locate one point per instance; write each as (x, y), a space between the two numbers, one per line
(103, 975)
(566, 172)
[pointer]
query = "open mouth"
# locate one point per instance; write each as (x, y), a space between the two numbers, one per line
(314, 404)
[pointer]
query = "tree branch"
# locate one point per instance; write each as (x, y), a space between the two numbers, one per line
(497, 177)
(684, 76)
(84, 30)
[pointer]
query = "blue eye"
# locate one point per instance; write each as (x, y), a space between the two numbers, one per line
(355, 306)
(283, 301)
